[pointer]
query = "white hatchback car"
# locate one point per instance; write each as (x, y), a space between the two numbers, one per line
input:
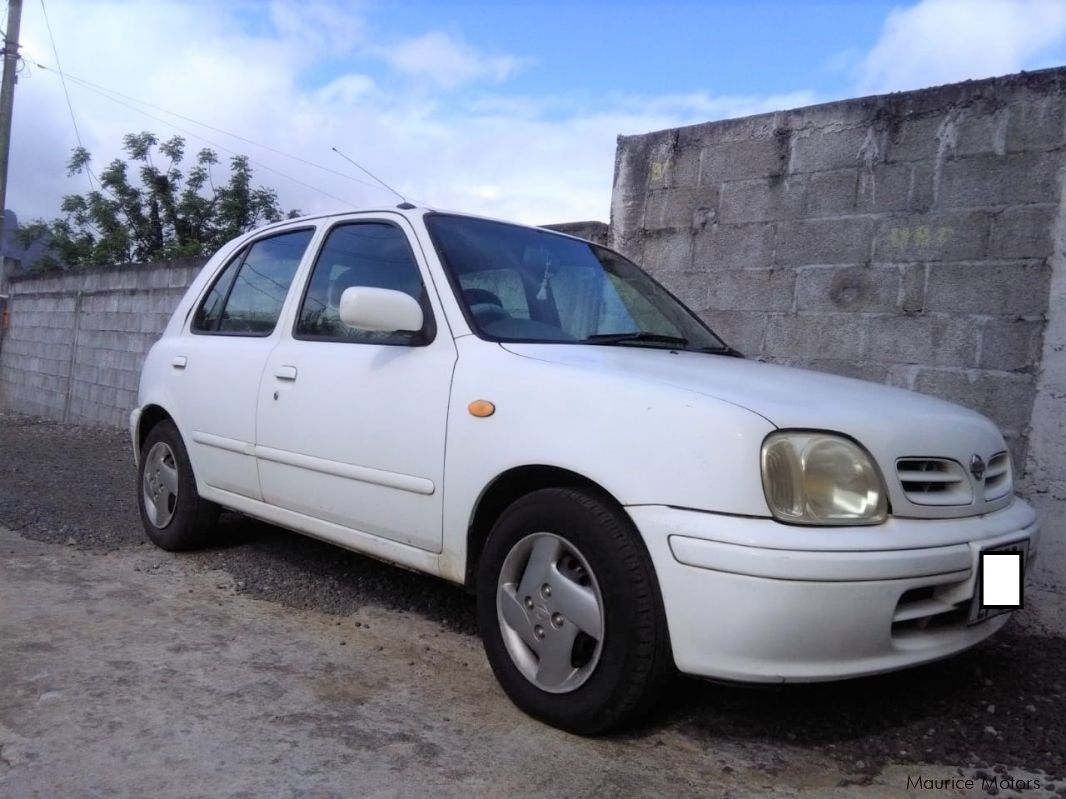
(530, 415)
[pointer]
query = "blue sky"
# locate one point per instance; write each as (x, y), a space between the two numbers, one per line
(509, 109)
(756, 47)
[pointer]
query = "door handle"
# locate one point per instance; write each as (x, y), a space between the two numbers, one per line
(179, 362)
(285, 373)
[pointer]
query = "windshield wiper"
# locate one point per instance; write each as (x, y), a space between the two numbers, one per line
(723, 350)
(637, 336)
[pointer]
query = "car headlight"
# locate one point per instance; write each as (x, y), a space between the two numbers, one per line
(820, 478)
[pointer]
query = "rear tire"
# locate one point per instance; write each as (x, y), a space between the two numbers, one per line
(174, 515)
(570, 613)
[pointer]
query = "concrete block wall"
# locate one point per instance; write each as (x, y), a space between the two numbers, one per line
(908, 239)
(75, 341)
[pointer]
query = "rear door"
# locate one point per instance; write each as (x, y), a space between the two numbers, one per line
(351, 424)
(217, 366)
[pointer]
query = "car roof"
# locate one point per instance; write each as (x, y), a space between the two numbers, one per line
(406, 209)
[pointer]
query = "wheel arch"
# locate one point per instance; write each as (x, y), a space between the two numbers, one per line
(151, 415)
(507, 487)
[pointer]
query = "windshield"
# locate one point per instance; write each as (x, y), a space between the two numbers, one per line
(523, 284)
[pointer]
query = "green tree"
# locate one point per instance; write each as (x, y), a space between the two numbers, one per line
(161, 212)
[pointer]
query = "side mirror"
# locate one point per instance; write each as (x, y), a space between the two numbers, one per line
(381, 310)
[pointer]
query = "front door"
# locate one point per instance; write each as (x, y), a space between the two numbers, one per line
(351, 424)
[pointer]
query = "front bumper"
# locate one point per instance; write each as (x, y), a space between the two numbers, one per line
(757, 601)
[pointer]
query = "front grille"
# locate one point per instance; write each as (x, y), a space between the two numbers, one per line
(934, 481)
(998, 482)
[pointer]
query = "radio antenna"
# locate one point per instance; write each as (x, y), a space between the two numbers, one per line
(403, 204)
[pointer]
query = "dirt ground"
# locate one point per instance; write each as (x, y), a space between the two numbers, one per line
(278, 666)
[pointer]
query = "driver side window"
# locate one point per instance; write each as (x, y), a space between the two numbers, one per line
(372, 254)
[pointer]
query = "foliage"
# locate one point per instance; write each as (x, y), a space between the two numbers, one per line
(162, 213)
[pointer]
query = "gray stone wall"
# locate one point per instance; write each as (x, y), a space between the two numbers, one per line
(906, 239)
(74, 343)
(595, 232)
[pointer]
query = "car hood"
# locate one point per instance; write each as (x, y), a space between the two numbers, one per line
(891, 423)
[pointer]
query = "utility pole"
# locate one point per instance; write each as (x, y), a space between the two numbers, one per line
(7, 100)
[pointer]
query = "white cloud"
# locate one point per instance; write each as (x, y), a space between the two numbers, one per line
(446, 61)
(943, 41)
(529, 158)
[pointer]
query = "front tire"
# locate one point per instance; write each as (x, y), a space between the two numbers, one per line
(174, 515)
(570, 613)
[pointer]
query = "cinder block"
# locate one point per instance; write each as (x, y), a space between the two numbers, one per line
(724, 246)
(749, 158)
(130, 360)
(1005, 398)
(1024, 232)
(821, 149)
(124, 278)
(128, 380)
(762, 200)
(1036, 123)
(125, 400)
(832, 193)
(86, 372)
(128, 302)
(683, 168)
(981, 130)
(668, 163)
(944, 236)
(750, 289)
(153, 323)
(743, 330)
(825, 241)
(848, 288)
(666, 209)
(689, 287)
(160, 277)
(808, 336)
(915, 139)
(660, 155)
(935, 341)
(161, 302)
(668, 252)
(885, 187)
(181, 277)
(1003, 289)
(1011, 344)
(993, 180)
(912, 289)
(759, 126)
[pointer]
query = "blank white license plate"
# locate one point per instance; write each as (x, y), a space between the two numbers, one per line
(1000, 583)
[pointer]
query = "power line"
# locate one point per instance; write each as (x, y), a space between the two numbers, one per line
(114, 96)
(106, 91)
(260, 164)
(66, 94)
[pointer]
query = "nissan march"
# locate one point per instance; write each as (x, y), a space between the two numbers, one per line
(532, 416)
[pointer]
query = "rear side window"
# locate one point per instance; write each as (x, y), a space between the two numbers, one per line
(246, 298)
(373, 254)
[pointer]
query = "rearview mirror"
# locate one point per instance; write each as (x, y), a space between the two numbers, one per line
(381, 310)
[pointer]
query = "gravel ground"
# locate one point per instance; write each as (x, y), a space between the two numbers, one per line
(999, 707)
